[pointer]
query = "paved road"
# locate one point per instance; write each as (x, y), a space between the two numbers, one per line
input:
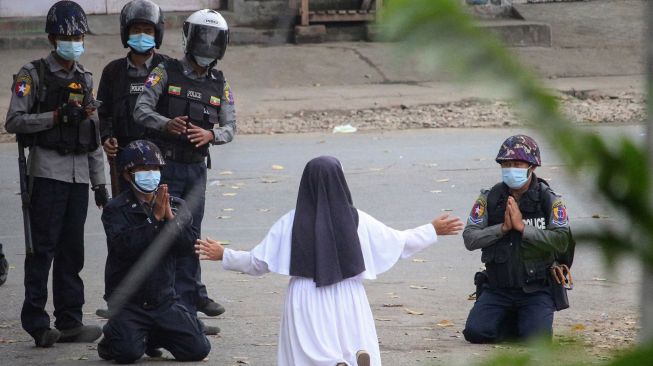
(392, 176)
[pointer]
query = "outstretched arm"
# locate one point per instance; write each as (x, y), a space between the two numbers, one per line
(232, 260)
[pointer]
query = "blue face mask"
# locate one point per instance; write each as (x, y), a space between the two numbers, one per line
(69, 50)
(146, 181)
(204, 61)
(141, 42)
(514, 178)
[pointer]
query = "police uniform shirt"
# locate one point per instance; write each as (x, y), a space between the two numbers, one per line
(145, 111)
(48, 163)
(554, 236)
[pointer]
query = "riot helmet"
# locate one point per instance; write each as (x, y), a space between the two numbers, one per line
(141, 11)
(519, 147)
(205, 37)
(140, 153)
(66, 18)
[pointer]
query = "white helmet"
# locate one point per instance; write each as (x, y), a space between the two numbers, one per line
(206, 35)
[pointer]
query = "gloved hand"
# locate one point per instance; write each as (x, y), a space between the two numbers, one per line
(101, 195)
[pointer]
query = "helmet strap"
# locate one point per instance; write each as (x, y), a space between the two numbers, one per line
(146, 53)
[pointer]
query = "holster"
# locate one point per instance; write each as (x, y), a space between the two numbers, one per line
(560, 298)
(480, 281)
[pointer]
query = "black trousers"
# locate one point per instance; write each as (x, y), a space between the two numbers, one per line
(58, 213)
(188, 181)
(505, 314)
(171, 326)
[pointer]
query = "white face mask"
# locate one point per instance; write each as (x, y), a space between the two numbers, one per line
(203, 61)
(514, 178)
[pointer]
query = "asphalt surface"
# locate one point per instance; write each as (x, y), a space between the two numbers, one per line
(404, 179)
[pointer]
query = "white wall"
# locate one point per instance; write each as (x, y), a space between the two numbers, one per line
(32, 8)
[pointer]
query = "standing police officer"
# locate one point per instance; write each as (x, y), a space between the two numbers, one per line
(141, 29)
(147, 218)
(521, 227)
(52, 112)
(189, 105)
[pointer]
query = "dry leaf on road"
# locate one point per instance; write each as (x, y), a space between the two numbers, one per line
(445, 323)
(413, 312)
(418, 287)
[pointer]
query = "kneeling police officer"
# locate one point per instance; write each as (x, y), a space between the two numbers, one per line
(522, 228)
(141, 223)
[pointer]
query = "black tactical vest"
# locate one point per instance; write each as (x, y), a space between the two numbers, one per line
(508, 263)
(199, 100)
(53, 92)
(124, 94)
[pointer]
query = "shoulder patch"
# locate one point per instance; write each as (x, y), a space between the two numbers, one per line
(23, 84)
(228, 95)
(478, 211)
(559, 213)
(154, 77)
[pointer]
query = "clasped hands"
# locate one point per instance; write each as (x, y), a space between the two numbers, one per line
(196, 135)
(512, 219)
(161, 208)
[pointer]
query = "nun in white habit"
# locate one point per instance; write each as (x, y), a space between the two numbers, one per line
(328, 248)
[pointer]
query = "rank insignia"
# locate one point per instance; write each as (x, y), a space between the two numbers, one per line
(559, 213)
(476, 216)
(23, 85)
(75, 86)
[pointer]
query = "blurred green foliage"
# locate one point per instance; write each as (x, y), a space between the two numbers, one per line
(445, 38)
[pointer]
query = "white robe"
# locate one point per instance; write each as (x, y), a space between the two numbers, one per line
(329, 324)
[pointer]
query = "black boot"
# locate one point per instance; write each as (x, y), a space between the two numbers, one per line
(46, 337)
(209, 307)
(81, 334)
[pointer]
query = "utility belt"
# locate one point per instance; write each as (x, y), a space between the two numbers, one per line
(183, 155)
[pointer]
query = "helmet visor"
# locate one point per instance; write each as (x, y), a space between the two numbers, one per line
(205, 41)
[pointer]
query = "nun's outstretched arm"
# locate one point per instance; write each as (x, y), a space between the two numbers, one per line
(242, 261)
(232, 260)
(420, 237)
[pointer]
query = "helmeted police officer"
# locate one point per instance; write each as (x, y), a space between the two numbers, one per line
(521, 227)
(141, 30)
(52, 112)
(143, 219)
(188, 105)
